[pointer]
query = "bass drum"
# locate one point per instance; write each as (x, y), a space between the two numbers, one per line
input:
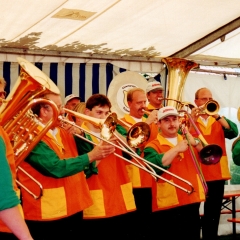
(118, 88)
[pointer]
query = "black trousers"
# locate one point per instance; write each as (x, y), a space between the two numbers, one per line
(66, 228)
(7, 236)
(177, 223)
(212, 209)
(116, 227)
(142, 216)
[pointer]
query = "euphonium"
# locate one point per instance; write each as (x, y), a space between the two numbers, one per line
(16, 116)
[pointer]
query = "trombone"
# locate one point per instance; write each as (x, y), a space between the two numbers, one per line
(211, 153)
(101, 122)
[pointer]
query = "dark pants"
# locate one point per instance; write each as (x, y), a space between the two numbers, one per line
(117, 227)
(142, 216)
(212, 209)
(7, 236)
(177, 223)
(62, 229)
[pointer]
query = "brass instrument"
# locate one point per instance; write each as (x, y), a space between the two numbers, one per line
(178, 70)
(210, 108)
(211, 153)
(107, 126)
(98, 123)
(238, 114)
(137, 134)
(183, 125)
(16, 116)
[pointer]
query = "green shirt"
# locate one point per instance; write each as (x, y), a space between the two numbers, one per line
(47, 162)
(8, 197)
(84, 147)
(153, 156)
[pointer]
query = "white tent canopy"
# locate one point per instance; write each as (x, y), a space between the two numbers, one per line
(121, 30)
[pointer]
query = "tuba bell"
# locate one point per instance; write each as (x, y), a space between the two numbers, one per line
(16, 116)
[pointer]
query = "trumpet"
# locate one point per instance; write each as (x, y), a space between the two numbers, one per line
(134, 155)
(210, 108)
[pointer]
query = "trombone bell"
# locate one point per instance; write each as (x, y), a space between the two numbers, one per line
(211, 154)
(138, 134)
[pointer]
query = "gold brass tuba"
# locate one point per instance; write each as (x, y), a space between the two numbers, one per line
(16, 116)
(178, 70)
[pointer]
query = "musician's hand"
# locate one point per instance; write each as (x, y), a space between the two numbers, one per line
(152, 117)
(182, 146)
(72, 129)
(101, 151)
(113, 139)
(194, 114)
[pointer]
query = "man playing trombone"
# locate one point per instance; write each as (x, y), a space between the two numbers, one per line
(110, 186)
(174, 211)
(141, 180)
(215, 129)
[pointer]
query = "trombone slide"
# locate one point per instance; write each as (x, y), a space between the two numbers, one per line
(138, 157)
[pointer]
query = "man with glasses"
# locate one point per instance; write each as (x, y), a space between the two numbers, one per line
(214, 129)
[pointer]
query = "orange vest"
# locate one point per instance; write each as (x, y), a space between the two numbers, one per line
(165, 195)
(139, 177)
(11, 162)
(62, 197)
(110, 189)
(214, 134)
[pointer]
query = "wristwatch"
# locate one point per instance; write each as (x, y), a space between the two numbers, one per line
(197, 141)
(218, 118)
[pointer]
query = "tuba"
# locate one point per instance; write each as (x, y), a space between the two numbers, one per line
(178, 70)
(16, 116)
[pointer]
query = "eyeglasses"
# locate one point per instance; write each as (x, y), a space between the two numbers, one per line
(3, 93)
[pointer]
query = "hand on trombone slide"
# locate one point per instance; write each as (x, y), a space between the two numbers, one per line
(100, 151)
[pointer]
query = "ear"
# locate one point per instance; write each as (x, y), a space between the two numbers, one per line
(87, 111)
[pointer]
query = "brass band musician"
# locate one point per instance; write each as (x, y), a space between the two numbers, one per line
(172, 207)
(141, 180)
(55, 163)
(154, 93)
(215, 129)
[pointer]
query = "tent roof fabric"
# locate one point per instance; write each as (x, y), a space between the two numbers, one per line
(148, 29)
